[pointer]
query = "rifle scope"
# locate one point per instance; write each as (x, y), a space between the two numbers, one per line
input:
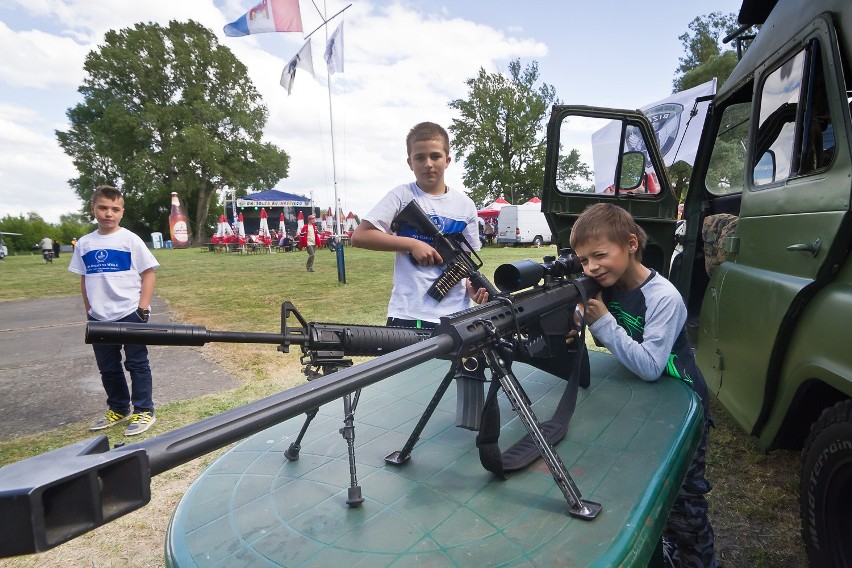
(523, 274)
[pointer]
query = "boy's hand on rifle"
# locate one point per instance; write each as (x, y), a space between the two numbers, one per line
(595, 309)
(479, 296)
(424, 254)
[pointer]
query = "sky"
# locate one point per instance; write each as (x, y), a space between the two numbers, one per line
(405, 60)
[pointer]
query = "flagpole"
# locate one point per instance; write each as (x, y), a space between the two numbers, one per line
(341, 266)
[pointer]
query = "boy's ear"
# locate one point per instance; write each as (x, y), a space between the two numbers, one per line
(632, 243)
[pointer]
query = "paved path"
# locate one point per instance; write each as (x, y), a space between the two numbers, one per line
(48, 375)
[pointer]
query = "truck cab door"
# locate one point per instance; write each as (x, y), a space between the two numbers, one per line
(779, 163)
(605, 155)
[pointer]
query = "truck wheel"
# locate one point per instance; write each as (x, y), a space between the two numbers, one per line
(537, 241)
(825, 488)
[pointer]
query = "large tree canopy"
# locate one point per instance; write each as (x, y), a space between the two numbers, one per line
(500, 133)
(168, 109)
(705, 56)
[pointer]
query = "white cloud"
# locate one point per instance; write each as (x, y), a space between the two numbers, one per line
(35, 59)
(402, 66)
(33, 168)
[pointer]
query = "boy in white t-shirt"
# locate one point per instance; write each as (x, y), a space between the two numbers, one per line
(428, 147)
(117, 281)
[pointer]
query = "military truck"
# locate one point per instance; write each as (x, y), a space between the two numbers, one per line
(764, 268)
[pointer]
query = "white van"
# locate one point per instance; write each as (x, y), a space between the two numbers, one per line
(522, 224)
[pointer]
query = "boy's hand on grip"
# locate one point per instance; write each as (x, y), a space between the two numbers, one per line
(424, 254)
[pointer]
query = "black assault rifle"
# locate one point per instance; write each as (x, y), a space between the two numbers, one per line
(456, 252)
(53, 497)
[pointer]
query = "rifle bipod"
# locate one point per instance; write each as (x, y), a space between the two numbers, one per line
(350, 402)
(497, 354)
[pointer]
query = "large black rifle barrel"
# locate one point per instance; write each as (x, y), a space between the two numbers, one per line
(177, 447)
(172, 334)
(353, 340)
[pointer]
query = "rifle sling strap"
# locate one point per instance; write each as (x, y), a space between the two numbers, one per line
(525, 451)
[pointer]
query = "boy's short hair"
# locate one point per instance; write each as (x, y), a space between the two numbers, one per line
(106, 191)
(427, 131)
(610, 222)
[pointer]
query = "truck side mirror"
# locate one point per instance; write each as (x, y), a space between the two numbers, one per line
(764, 170)
(632, 171)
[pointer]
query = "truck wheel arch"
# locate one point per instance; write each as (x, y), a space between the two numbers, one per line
(826, 487)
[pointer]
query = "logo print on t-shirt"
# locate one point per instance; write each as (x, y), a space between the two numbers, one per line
(101, 255)
(633, 325)
(439, 222)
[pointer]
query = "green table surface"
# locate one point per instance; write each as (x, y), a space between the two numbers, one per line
(628, 447)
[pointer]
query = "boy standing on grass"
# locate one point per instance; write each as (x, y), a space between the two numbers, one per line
(428, 148)
(117, 281)
(640, 317)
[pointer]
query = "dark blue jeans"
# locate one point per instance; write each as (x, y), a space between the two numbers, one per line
(119, 397)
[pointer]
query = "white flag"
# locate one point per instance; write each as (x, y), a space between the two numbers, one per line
(303, 60)
(334, 51)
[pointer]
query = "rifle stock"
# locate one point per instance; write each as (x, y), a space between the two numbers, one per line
(57, 496)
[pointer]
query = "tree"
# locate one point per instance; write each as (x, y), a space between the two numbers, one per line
(704, 57)
(500, 133)
(164, 110)
(32, 229)
(573, 175)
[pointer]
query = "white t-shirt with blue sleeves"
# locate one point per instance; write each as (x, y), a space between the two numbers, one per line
(452, 212)
(112, 265)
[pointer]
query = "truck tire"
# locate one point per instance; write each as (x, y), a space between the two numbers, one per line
(538, 241)
(825, 488)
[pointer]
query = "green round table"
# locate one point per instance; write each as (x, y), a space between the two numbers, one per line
(628, 447)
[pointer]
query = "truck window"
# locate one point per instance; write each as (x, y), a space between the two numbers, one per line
(592, 149)
(726, 170)
(795, 136)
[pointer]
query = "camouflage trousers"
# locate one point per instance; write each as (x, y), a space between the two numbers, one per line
(688, 537)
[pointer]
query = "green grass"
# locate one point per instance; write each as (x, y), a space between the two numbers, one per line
(754, 501)
(232, 292)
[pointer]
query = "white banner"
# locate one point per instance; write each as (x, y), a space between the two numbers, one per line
(259, 203)
(678, 133)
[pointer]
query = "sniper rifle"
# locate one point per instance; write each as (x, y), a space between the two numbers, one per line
(53, 497)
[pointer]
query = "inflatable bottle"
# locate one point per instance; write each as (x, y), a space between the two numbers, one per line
(178, 226)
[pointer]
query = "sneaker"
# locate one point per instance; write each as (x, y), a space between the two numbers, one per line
(139, 422)
(111, 418)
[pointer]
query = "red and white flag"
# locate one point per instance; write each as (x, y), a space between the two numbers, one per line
(268, 16)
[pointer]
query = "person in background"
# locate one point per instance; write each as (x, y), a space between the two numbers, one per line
(309, 239)
(46, 246)
(73, 243)
(641, 318)
(417, 264)
(117, 282)
(489, 231)
(285, 242)
(56, 248)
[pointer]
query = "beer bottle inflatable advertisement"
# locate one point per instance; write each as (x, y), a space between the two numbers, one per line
(178, 226)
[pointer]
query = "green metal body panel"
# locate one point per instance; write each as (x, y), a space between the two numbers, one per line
(820, 353)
